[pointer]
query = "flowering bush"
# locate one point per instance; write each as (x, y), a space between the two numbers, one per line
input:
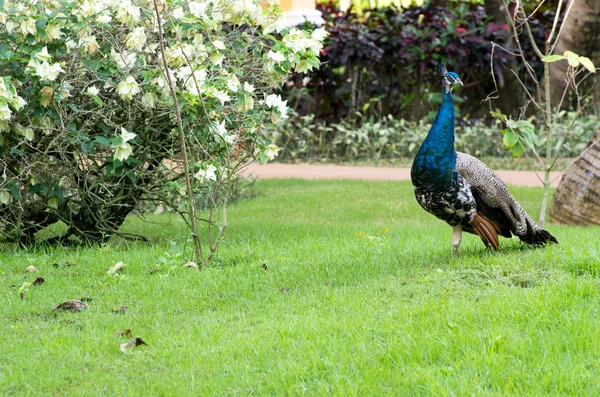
(90, 100)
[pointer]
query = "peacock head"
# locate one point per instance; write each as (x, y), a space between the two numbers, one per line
(449, 79)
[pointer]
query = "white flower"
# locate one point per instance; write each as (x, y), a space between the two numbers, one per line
(127, 136)
(5, 197)
(124, 150)
(219, 44)
(297, 42)
(104, 19)
(233, 83)
(280, 24)
(124, 60)
(43, 55)
(28, 27)
(221, 96)
(271, 151)
(207, 174)
(282, 108)
(272, 100)
(17, 103)
(216, 58)
(319, 34)
(89, 44)
(10, 26)
(70, 44)
(221, 132)
(128, 88)
(4, 92)
(178, 13)
(53, 31)
(248, 87)
(276, 56)
(47, 72)
(275, 101)
(136, 39)
(5, 112)
(92, 90)
(198, 9)
(127, 13)
(219, 128)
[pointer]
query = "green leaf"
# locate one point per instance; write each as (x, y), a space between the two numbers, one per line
(98, 100)
(588, 64)
(518, 150)
(553, 58)
(499, 115)
(102, 140)
(510, 139)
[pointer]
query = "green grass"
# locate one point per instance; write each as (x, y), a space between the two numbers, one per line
(321, 288)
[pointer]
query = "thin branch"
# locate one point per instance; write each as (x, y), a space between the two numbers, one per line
(182, 142)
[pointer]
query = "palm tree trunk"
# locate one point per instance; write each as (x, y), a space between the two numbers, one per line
(577, 198)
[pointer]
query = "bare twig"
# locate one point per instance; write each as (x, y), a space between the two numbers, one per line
(182, 142)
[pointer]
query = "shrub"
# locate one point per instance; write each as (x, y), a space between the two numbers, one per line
(389, 139)
(89, 124)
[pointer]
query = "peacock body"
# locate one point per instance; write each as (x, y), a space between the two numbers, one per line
(461, 190)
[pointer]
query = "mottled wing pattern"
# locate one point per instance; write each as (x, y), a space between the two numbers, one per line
(497, 204)
(454, 204)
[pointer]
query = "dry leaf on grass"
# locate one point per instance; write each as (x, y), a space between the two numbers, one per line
(31, 269)
(121, 310)
(38, 281)
(114, 269)
(57, 265)
(192, 265)
(72, 305)
(126, 332)
(132, 344)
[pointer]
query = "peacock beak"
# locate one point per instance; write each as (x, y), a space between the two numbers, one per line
(458, 82)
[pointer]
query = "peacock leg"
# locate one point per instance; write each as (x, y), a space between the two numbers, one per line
(456, 237)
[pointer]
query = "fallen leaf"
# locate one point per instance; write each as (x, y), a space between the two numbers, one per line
(57, 265)
(114, 269)
(38, 281)
(192, 264)
(132, 344)
(31, 269)
(127, 332)
(121, 310)
(72, 305)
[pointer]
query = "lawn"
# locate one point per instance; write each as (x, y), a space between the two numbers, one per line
(321, 288)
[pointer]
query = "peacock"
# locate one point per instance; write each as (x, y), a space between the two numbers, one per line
(461, 190)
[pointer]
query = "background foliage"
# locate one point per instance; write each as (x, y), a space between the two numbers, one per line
(384, 62)
(303, 138)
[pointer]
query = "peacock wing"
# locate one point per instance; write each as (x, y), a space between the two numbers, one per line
(493, 199)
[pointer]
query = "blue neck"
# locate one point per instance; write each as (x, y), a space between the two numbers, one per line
(437, 157)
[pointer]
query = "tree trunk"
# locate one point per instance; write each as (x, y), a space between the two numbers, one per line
(581, 34)
(577, 199)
